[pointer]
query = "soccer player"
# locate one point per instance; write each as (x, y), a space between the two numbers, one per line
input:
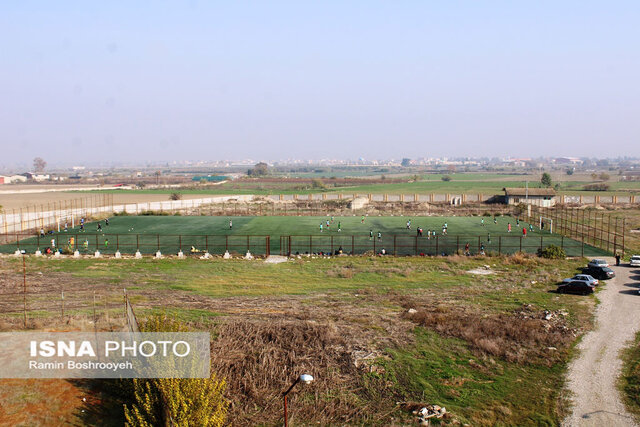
(488, 237)
(321, 226)
(99, 227)
(65, 227)
(409, 225)
(524, 231)
(509, 228)
(428, 234)
(327, 224)
(53, 243)
(331, 219)
(481, 248)
(482, 221)
(42, 232)
(230, 224)
(106, 243)
(85, 245)
(370, 234)
(495, 220)
(362, 220)
(339, 226)
(531, 228)
(444, 230)
(517, 222)
(379, 235)
(466, 249)
(106, 222)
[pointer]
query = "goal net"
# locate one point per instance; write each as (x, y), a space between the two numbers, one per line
(546, 224)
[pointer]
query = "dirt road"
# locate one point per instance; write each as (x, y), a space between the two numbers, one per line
(593, 374)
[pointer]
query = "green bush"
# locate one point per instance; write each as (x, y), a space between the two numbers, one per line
(552, 252)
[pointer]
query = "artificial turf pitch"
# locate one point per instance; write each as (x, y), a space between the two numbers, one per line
(293, 234)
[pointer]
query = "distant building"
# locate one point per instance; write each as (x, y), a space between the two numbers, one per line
(567, 161)
(13, 178)
(35, 177)
(545, 197)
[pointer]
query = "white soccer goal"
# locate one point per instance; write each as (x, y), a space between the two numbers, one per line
(546, 224)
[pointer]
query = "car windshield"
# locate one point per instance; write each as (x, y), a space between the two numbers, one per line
(598, 261)
(607, 269)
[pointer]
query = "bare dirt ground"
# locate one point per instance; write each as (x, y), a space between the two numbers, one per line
(593, 375)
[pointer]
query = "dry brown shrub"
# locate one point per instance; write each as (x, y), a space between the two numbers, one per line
(345, 272)
(515, 337)
(260, 360)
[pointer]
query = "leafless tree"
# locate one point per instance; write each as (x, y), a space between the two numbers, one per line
(39, 164)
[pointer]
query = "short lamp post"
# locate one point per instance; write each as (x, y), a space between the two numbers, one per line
(305, 379)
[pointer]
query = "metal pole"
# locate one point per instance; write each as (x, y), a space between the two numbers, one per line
(24, 290)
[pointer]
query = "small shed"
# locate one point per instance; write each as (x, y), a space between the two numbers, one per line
(545, 197)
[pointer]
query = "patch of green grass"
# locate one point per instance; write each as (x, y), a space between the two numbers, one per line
(630, 379)
(481, 391)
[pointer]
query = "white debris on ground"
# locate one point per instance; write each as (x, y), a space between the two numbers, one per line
(276, 259)
(429, 411)
(484, 270)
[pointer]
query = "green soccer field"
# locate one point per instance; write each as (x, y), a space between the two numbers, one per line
(300, 235)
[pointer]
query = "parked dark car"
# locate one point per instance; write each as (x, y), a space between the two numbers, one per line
(602, 273)
(576, 287)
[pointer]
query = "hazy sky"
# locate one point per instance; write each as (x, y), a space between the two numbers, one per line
(118, 80)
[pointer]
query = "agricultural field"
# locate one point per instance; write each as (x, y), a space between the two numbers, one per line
(483, 337)
(470, 183)
(300, 235)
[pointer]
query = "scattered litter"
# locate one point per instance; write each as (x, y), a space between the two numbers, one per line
(481, 271)
(275, 259)
(430, 411)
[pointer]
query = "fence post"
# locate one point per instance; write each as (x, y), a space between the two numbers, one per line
(268, 245)
(289, 248)
(353, 245)
(520, 243)
(158, 241)
(499, 245)
(437, 241)
(331, 245)
(310, 245)
(137, 242)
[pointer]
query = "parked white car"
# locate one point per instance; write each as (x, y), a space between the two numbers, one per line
(598, 263)
(635, 261)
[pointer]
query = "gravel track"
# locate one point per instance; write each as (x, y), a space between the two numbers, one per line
(593, 375)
